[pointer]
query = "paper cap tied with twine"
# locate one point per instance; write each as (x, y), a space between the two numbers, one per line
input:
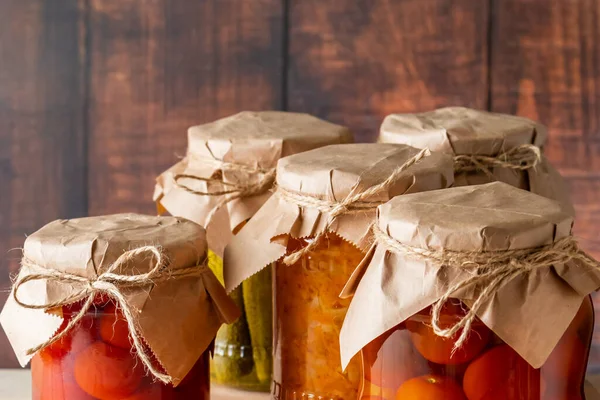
(229, 168)
(335, 188)
(506, 253)
(153, 268)
(487, 147)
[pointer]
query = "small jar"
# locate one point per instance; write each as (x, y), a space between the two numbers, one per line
(221, 183)
(308, 317)
(96, 360)
(410, 362)
(117, 307)
(311, 234)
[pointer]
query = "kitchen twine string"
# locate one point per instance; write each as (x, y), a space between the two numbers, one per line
(233, 191)
(353, 203)
(111, 284)
(488, 270)
(521, 158)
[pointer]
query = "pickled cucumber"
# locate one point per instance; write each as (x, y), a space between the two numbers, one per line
(233, 353)
(259, 314)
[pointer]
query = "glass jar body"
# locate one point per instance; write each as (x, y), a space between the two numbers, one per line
(308, 318)
(96, 360)
(243, 350)
(410, 361)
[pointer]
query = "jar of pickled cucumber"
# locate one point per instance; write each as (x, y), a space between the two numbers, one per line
(481, 293)
(311, 235)
(117, 307)
(226, 176)
(487, 147)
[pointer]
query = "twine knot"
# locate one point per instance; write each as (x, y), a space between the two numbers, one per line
(353, 203)
(521, 158)
(111, 284)
(488, 271)
(233, 191)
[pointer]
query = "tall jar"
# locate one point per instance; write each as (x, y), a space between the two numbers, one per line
(106, 315)
(311, 235)
(308, 319)
(226, 176)
(483, 295)
(487, 147)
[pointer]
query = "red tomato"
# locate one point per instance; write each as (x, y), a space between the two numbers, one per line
(501, 374)
(113, 327)
(49, 382)
(438, 349)
(108, 372)
(391, 359)
(430, 387)
(74, 341)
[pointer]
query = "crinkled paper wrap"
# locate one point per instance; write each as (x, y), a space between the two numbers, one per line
(252, 139)
(464, 131)
(178, 319)
(530, 313)
(332, 173)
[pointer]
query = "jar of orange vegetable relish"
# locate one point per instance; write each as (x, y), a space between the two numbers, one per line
(487, 147)
(116, 307)
(226, 176)
(481, 293)
(312, 233)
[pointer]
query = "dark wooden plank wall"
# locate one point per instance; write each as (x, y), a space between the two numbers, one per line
(96, 95)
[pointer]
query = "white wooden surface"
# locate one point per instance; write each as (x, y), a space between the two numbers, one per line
(16, 385)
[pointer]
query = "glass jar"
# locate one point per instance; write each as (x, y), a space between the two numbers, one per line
(411, 362)
(308, 318)
(243, 350)
(96, 360)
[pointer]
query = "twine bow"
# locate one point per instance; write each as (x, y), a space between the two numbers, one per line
(488, 270)
(519, 158)
(234, 190)
(353, 203)
(111, 284)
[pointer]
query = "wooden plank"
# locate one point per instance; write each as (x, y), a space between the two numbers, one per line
(161, 66)
(42, 132)
(545, 64)
(354, 62)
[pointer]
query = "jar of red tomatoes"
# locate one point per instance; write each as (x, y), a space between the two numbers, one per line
(312, 234)
(226, 176)
(106, 315)
(481, 292)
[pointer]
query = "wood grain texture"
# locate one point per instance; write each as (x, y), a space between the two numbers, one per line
(545, 64)
(42, 135)
(354, 62)
(158, 67)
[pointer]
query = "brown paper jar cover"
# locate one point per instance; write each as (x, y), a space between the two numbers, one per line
(530, 312)
(465, 131)
(329, 173)
(176, 318)
(250, 141)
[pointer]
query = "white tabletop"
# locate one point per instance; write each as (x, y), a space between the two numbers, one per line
(16, 385)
